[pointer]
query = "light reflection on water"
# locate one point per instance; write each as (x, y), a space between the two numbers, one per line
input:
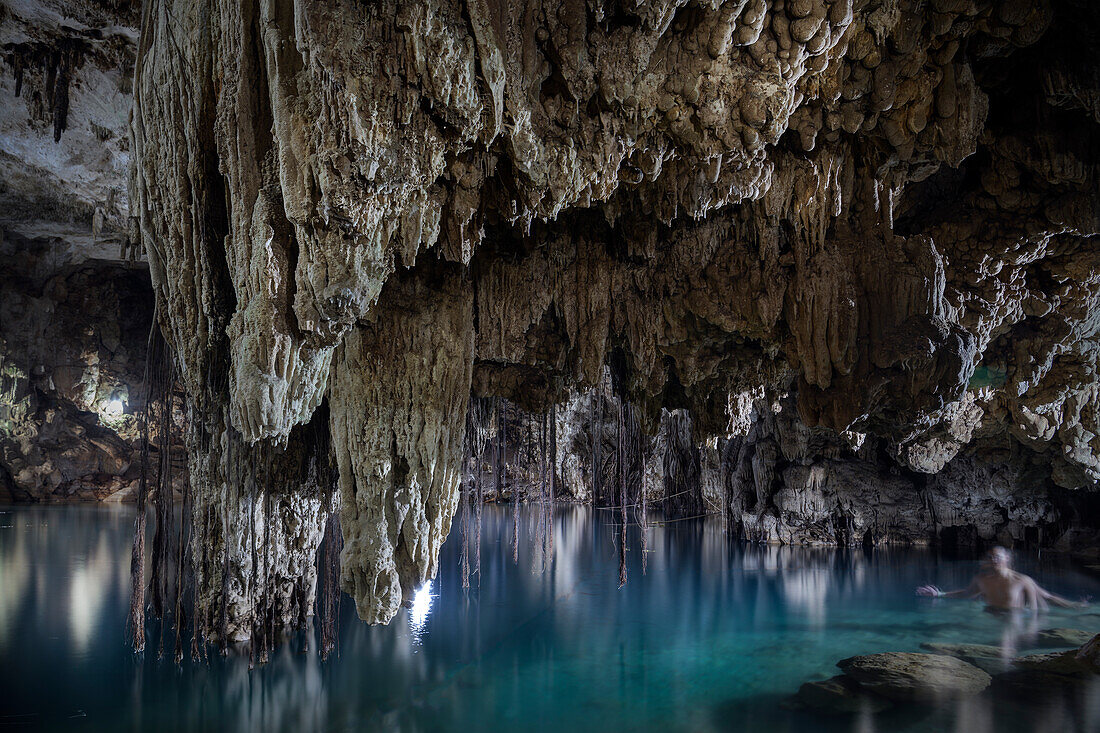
(713, 637)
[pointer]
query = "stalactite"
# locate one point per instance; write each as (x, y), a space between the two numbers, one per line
(163, 513)
(329, 595)
(464, 495)
(479, 501)
(595, 450)
(199, 633)
(619, 464)
(267, 606)
(515, 498)
(17, 68)
(183, 562)
(553, 474)
(223, 609)
(150, 383)
(252, 564)
(683, 489)
(540, 535)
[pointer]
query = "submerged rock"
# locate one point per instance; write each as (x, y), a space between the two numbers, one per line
(1063, 637)
(1063, 663)
(986, 657)
(909, 676)
(840, 694)
(1036, 677)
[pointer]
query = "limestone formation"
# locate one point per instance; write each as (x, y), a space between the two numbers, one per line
(833, 258)
(836, 206)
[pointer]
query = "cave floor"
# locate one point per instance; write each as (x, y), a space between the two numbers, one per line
(714, 636)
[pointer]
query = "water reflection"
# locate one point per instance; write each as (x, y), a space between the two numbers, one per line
(713, 636)
(419, 610)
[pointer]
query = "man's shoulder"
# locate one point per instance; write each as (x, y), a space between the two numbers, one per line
(1021, 577)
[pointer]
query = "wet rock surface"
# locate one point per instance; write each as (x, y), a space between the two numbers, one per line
(1063, 637)
(1065, 663)
(1089, 654)
(908, 676)
(988, 658)
(840, 694)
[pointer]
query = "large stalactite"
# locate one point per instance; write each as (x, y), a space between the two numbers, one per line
(859, 209)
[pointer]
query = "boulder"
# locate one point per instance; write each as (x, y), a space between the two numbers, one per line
(840, 694)
(1089, 654)
(910, 676)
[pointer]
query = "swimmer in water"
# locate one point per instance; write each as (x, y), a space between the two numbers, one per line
(1003, 588)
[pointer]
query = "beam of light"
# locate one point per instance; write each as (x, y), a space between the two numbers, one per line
(419, 610)
(113, 408)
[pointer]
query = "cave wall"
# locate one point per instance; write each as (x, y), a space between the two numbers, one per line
(864, 205)
(76, 304)
(73, 340)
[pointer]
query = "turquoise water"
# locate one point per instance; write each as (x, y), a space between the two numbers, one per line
(714, 637)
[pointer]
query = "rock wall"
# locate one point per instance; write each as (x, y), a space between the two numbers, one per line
(75, 301)
(73, 338)
(869, 206)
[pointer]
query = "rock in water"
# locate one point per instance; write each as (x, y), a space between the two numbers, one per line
(840, 694)
(1036, 677)
(1089, 654)
(1063, 637)
(909, 676)
(1033, 685)
(1065, 663)
(986, 657)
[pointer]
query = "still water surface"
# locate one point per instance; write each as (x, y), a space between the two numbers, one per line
(713, 637)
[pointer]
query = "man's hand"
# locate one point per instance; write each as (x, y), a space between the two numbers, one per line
(930, 591)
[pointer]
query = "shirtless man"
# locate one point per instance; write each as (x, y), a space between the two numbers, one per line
(1001, 587)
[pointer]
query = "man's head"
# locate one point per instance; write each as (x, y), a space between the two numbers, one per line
(998, 557)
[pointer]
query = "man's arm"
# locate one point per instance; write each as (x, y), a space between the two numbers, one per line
(1038, 597)
(931, 591)
(1058, 600)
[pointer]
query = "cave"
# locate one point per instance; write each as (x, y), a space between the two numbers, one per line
(610, 364)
